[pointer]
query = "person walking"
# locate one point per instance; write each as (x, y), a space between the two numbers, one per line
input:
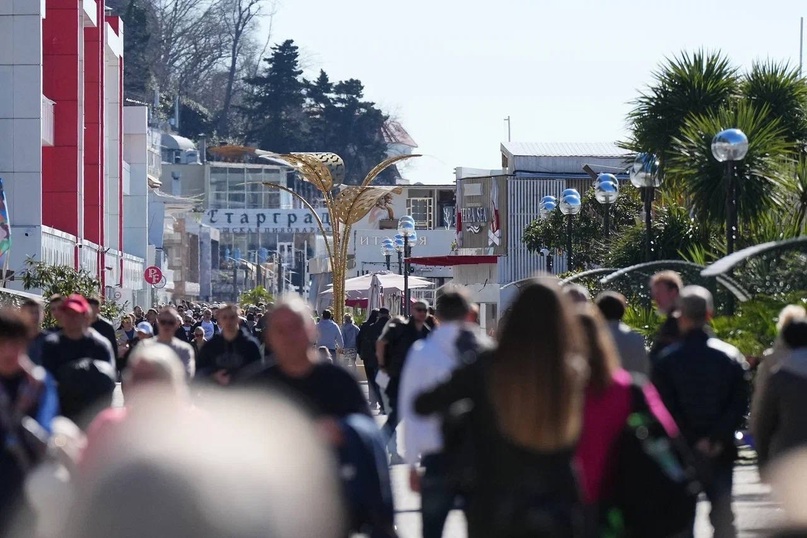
(350, 333)
(368, 337)
(629, 343)
(430, 362)
(100, 324)
(228, 351)
(703, 383)
(329, 335)
(781, 425)
(392, 348)
(665, 286)
(167, 321)
(198, 341)
(525, 403)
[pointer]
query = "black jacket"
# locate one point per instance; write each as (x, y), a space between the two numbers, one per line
(703, 382)
(667, 335)
(221, 354)
(367, 338)
(400, 335)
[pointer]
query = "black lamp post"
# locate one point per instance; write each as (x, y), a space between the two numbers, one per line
(570, 205)
(406, 229)
(387, 248)
(644, 174)
(728, 147)
(606, 191)
(399, 248)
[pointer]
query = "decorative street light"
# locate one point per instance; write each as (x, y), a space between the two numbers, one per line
(644, 174)
(399, 248)
(387, 248)
(728, 147)
(345, 205)
(406, 228)
(606, 191)
(570, 205)
(545, 209)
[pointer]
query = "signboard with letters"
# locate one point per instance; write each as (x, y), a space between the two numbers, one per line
(482, 215)
(266, 220)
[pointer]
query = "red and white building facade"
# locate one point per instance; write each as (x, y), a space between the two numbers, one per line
(62, 138)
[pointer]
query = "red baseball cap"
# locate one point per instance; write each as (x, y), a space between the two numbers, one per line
(76, 303)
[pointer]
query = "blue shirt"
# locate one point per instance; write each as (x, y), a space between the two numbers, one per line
(350, 332)
(329, 334)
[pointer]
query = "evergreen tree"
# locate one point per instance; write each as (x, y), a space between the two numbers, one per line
(275, 110)
(138, 75)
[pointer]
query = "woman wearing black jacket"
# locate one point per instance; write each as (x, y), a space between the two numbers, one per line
(525, 417)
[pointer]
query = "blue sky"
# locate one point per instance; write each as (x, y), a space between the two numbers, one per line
(451, 70)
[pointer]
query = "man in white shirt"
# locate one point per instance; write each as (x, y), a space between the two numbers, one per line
(429, 363)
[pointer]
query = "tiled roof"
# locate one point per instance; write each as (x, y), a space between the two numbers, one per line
(564, 149)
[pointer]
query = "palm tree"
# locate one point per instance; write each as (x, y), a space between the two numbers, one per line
(759, 177)
(784, 91)
(683, 86)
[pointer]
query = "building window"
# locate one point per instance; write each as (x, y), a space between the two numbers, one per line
(422, 211)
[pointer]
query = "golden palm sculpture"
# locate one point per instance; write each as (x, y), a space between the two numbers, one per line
(346, 207)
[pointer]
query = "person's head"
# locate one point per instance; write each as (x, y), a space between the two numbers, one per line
(151, 315)
(373, 316)
(665, 286)
(187, 320)
(127, 322)
(95, 305)
(33, 315)
(603, 358)
(54, 305)
(290, 330)
(227, 318)
(153, 369)
(13, 341)
(215, 312)
(144, 330)
(348, 319)
(538, 371)
(324, 354)
(383, 313)
(453, 304)
(198, 334)
(695, 308)
(473, 314)
(138, 311)
(612, 305)
(75, 313)
(420, 311)
(207, 314)
(181, 309)
(577, 293)
(167, 321)
(326, 314)
(788, 314)
(795, 333)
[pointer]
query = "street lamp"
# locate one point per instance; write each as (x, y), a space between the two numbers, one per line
(406, 228)
(399, 248)
(606, 191)
(730, 146)
(644, 174)
(387, 248)
(547, 206)
(569, 205)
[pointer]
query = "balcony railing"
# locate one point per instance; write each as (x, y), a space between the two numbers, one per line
(47, 121)
(58, 247)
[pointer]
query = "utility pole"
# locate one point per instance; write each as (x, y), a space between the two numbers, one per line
(801, 45)
(507, 119)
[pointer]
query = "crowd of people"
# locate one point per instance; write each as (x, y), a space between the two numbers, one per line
(240, 419)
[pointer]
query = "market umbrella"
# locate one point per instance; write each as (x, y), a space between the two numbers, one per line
(375, 294)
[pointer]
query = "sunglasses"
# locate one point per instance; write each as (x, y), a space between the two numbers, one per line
(167, 321)
(420, 310)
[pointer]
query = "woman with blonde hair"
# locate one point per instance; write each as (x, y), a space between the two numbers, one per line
(524, 421)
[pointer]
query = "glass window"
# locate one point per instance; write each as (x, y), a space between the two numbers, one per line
(420, 209)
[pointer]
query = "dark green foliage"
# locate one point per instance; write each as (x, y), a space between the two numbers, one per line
(781, 89)
(588, 241)
(65, 280)
(138, 74)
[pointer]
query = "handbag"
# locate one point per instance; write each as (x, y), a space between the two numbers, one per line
(657, 485)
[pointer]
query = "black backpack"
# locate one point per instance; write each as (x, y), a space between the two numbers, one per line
(656, 484)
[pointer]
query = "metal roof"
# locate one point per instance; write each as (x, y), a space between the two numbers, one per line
(564, 149)
(170, 141)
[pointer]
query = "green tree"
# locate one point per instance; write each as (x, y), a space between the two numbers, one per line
(276, 106)
(757, 177)
(783, 91)
(588, 242)
(684, 85)
(64, 280)
(138, 73)
(255, 296)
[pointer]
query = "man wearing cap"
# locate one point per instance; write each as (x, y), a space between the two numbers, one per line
(703, 383)
(74, 341)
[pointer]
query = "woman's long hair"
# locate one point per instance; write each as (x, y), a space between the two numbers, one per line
(538, 373)
(603, 357)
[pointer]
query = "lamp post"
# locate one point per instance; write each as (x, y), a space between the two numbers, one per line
(606, 191)
(570, 205)
(730, 146)
(406, 228)
(387, 248)
(400, 246)
(644, 174)
(547, 206)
